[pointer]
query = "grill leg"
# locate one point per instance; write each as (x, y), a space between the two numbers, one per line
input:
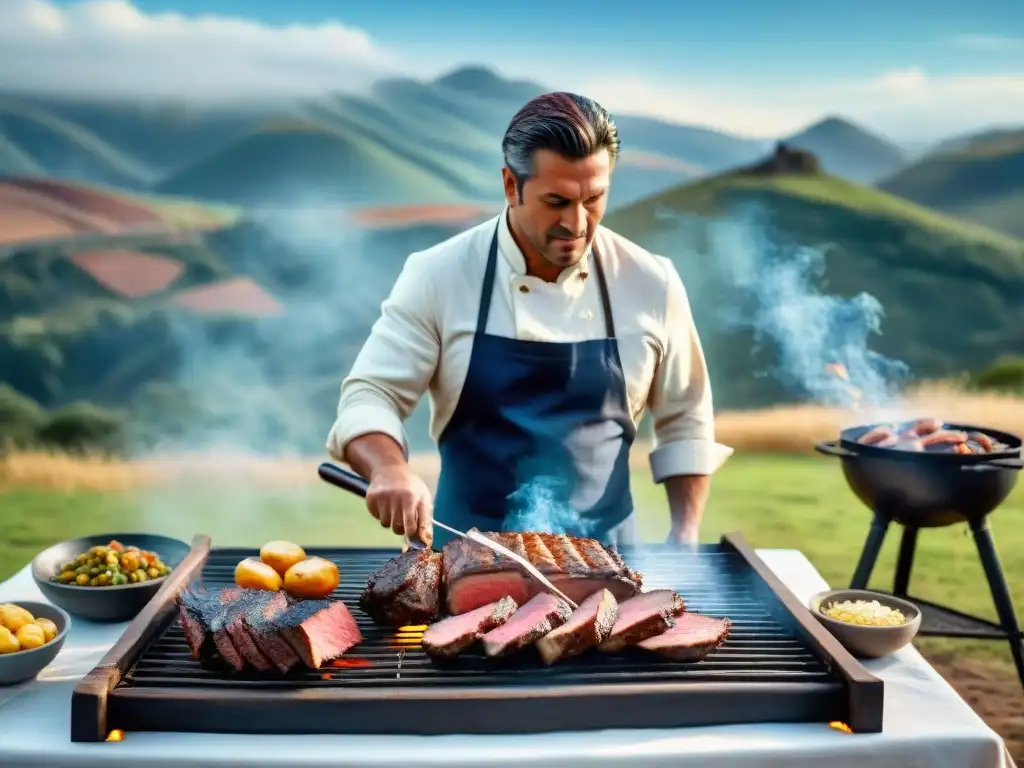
(1000, 591)
(868, 556)
(905, 561)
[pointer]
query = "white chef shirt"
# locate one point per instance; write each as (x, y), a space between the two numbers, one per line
(423, 340)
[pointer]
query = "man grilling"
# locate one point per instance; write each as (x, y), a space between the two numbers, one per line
(541, 338)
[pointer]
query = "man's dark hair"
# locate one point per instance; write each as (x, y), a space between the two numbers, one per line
(567, 123)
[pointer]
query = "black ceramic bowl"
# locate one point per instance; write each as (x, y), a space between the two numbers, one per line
(120, 603)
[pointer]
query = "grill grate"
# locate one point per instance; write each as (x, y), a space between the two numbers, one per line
(759, 649)
(778, 665)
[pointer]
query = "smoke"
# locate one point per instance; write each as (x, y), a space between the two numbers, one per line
(542, 505)
(821, 342)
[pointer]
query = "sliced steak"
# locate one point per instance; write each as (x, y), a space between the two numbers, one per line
(318, 630)
(642, 617)
(449, 637)
(475, 576)
(692, 638)
(252, 602)
(589, 625)
(536, 618)
(405, 590)
(260, 625)
(214, 609)
(190, 615)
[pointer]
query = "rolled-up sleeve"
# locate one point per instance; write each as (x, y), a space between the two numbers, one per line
(395, 365)
(680, 401)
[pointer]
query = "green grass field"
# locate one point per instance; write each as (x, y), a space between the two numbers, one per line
(786, 502)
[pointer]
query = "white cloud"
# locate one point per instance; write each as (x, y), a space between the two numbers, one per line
(111, 46)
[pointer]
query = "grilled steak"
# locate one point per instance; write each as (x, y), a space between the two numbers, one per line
(405, 590)
(259, 622)
(536, 618)
(642, 617)
(318, 630)
(216, 609)
(475, 576)
(266, 629)
(251, 601)
(448, 637)
(190, 615)
(692, 638)
(588, 625)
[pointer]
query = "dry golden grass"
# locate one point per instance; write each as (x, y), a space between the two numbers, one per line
(787, 430)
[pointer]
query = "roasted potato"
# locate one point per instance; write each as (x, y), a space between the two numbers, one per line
(255, 574)
(8, 642)
(282, 555)
(14, 617)
(48, 627)
(313, 578)
(30, 636)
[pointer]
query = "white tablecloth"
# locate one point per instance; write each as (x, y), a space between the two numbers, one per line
(927, 725)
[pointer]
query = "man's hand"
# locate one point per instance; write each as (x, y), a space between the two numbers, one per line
(397, 497)
(400, 500)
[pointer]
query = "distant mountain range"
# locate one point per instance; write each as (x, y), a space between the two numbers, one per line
(162, 258)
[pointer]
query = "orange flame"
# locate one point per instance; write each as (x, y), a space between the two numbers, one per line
(840, 726)
(115, 735)
(413, 628)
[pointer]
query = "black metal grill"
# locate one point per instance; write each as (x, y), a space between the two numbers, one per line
(778, 665)
(760, 648)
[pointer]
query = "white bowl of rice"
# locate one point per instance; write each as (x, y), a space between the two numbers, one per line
(868, 624)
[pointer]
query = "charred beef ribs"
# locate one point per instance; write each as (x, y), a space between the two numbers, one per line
(406, 589)
(692, 638)
(449, 637)
(533, 620)
(642, 617)
(475, 576)
(265, 629)
(589, 625)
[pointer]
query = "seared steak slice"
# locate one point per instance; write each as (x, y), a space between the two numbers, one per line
(642, 617)
(448, 637)
(589, 625)
(251, 602)
(217, 616)
(533, 620)
(405, 590)
(692, 638)
(318, 630)
(190, 615)
(475, 576)
(260, 625)
(212, 610)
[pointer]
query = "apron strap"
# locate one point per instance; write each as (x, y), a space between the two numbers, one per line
(488, 289)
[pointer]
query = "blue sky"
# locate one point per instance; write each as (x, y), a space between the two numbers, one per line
(914, 70)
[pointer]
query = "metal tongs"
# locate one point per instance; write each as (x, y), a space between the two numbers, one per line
(350, 481)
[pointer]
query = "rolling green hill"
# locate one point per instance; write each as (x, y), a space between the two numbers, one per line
(952, 291)
(848, 151)
(979, 178)
(304, 160)
(63, 148)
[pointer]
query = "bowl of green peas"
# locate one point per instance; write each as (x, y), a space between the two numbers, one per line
(108, 577)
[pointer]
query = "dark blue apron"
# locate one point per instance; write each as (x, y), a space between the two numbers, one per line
(540, 437)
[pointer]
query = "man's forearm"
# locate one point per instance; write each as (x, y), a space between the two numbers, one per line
(687, 497)
(368, 453)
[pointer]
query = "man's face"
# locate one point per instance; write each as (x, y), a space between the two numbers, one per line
(562, 204)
